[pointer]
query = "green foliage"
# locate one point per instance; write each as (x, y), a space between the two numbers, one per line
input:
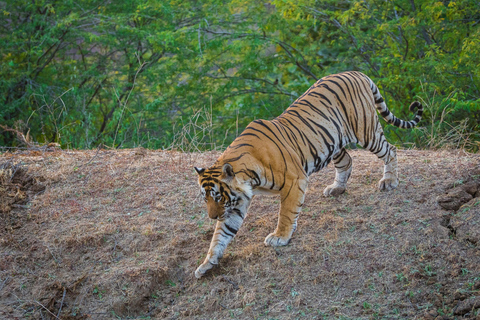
(143, 72)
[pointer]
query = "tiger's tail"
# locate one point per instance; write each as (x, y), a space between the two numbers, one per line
(389, 116)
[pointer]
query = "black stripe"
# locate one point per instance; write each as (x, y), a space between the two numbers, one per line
(228, 233)
(293, 141)
(255, 177)
(207, 185)
(248, 133)
(303, 120)
(338, 155)
(356, 91)
(241, 145)
(348, 121)
(325, 131)
(210, 179)
(291, 125)
(385, 113)
(338, 87)
(348, 85)
(307, 103)
(279, 149)
(321, 96)
(236, 158)
(273, 177)
(237, 211)
(290, 134)
(356, 79)
(260, 122)
(278, 125)
(232, 230)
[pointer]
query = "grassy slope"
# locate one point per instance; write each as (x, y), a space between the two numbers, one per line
(120, 233)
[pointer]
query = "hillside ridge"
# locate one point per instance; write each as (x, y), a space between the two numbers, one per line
(118, 233)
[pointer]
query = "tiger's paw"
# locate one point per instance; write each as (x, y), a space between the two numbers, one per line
(204, 267)
(276, 241)
(387, 184)
(333, 190)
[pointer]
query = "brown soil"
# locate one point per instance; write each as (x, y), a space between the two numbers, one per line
(119, 234)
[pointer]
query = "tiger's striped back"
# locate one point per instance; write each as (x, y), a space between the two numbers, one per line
(336, 111)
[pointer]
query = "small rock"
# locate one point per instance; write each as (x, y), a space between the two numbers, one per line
(470, 187)
(459, 295)
(454, 198)
(430, 315)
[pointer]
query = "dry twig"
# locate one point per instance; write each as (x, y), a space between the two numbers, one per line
(61, 304)
(41, 305)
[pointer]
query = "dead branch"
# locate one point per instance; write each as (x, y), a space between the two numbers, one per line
(25, 140)
(20, 136)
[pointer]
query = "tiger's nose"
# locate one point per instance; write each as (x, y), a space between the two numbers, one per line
(213, 215)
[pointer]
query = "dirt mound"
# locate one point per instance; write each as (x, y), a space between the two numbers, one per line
(467, 306)
(464, 199)
(456, 196)
(118, 234)
(466, 222)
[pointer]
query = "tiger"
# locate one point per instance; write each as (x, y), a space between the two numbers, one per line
(278, 156)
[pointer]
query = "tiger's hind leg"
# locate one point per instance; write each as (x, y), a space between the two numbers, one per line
(343, 169)
(388, 154)
(390, 173)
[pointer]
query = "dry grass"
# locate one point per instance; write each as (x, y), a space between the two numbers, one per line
(120, 233)
(442, 134)
(197, 133)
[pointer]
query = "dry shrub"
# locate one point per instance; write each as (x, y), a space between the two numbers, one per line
(196, 134)
(442, 134)
(15, 182)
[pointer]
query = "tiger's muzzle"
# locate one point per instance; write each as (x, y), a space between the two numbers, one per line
(215, 211)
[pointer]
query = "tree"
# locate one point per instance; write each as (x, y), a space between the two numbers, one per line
(126, 74)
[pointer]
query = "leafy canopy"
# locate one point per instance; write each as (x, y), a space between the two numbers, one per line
(194, 73)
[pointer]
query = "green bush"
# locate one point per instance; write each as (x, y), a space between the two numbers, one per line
(136, 72)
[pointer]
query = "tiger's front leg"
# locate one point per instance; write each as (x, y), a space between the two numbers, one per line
(225, 230)
(291, 204)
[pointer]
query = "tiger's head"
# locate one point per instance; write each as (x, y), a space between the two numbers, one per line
(225, 192)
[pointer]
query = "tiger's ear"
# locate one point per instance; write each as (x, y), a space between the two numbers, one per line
(200, 171)
(228, 170)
